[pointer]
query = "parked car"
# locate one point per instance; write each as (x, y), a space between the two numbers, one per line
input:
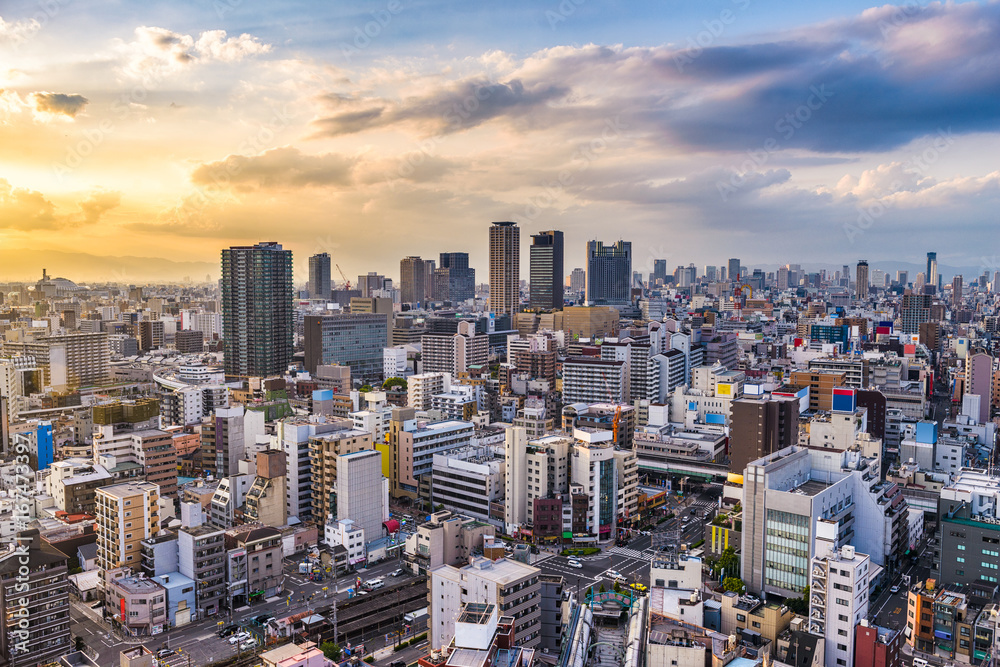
(397, 572)
(247, 645)
(572, 562)
(228, 631)
(165, 652)
(262, 619)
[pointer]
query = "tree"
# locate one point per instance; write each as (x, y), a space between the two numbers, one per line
(734, 584)
(799, 605)
(728, 564)
(331, 650)
(394, 382)
(365, 388)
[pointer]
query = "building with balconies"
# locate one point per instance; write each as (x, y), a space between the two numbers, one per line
(201, 556)
(126, 515)
(838, 600)
(34, 593)
(445, 539)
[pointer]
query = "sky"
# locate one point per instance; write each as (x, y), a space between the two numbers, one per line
(699, 130)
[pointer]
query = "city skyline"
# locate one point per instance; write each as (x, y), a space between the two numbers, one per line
(704, 130)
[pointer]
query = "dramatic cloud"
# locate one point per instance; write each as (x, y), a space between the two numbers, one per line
(17, 31)
(451, 108)
(59, 103)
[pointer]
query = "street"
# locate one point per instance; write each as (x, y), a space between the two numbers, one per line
(198, 641)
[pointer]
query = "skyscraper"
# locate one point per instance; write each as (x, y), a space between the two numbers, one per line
(546, 271)
(578, 281)
(505, 268)
(902, 277)
(734, 270)
(932, 270)
(956, 292)
(861, 286)
(609, 273)
(319, 276)
(659, 271)
(412, 276)
(257, 312)
(461, 278)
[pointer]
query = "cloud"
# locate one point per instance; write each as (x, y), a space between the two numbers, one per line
(158, 52)
(59, 103)
(452, 107)
(285, 167)
(99, 203)
(18, 31)
(25, 209)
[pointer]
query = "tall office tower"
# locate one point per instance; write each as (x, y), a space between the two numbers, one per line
(711, 273)
(723, 274)
(412, 276)
(914, 311)
(430, 266)
(257, 313)
(659, 271)
(782, 278)
(461, 277)
(861, 284)
(920, 281)
(505, 268)
(902, 277)
(609, 273)
(546, 271)
(578, 281)
(996, 282)
(319, 276)
(956, 292)
(734, 269)
(931, 275)
(370, 283)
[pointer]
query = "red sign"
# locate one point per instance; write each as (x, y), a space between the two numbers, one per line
(123, 610)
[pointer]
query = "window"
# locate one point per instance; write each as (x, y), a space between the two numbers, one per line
(961, 547)
(843, 618)
(841, 647)
(842, 633)
(741, 617)
(842, 602)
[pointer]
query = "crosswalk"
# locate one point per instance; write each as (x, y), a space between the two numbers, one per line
(702, 506)
(632, 553)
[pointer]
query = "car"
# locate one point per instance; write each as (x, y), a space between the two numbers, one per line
(616, 575)
(572, 562)
(247, 645)
(894, 589)
(165, 652)
(396, 573)
(262, 619)
(228, 631)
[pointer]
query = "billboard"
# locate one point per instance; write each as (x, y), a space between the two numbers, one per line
(844, 399)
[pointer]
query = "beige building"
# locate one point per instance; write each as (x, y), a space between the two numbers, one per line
(769, 619)
(323, 452)
(126, 515)
(447, 539)
(266, 501)
(73, 484)
(582, 321)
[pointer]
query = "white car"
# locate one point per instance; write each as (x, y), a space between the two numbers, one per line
(572, 562)
(396, 573)
(249, 644)
(616, 575)
(894, 589)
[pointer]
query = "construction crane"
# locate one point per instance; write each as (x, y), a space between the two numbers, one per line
(343, 277)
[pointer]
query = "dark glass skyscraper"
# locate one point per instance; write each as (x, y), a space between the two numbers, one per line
(461, 278)
(319, 276)
(257, 311)
(546, 271)
(609, 273)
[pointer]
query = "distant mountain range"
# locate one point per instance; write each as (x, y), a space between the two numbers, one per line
(81, 268)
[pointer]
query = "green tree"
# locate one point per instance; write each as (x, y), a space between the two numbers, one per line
(331, 650)
(728, 564)
(394, 382)
(734, 584)
(799, 605)
(365, 388)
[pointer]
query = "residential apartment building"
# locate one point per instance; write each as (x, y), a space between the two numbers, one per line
(325, 451)
(126, 515)
(513, 587)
